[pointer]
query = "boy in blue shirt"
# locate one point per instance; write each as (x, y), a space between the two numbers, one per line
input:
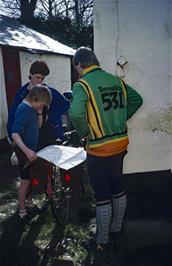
(25, 134)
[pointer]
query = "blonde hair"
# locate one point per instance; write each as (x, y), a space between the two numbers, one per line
(40, 93)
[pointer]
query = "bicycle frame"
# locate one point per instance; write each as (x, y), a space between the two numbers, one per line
(62, 185)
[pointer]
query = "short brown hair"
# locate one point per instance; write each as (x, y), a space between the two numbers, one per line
(40, 93)
(39, 67)
(86, 57)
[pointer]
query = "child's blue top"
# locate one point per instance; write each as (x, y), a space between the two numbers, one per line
(26, 125)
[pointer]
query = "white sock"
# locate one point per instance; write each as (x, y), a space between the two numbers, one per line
(22, 213)
(103, 218)
(119, 202)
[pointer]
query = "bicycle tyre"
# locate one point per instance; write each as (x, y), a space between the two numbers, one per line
(60, 202)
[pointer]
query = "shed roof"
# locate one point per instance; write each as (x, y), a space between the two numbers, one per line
(13, 33)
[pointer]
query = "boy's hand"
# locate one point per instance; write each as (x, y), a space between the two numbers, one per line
(31, 155)
(40, 110)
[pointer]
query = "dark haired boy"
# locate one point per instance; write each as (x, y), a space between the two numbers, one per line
(52, 116)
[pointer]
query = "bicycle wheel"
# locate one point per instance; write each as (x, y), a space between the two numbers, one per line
(60, 201)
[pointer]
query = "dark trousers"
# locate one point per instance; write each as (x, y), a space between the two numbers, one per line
(105, 175)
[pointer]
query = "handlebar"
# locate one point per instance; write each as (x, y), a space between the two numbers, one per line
(71, 138)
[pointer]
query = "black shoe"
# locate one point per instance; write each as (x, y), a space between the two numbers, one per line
(91, 245)
(115, 240)
(103, 255)
(33, 210)
(25, 219)
(98, 254)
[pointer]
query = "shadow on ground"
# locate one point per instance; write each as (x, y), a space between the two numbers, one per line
(21, 245)
(147, 237)
(43, 242)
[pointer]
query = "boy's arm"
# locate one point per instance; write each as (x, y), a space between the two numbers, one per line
(77, 111)
(40, 115)
(11, 115)
(59, 103)
(21, 93)
(134, 101)
(31, 155)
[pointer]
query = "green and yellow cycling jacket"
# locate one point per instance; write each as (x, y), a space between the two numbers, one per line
(101, 105)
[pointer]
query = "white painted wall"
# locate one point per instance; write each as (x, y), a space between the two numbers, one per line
(140, 30)
(3, 101)
(60, 69)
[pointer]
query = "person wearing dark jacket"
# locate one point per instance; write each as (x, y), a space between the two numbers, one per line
(101, 105)
(52, 117)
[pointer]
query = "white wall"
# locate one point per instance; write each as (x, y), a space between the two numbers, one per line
(139, 30)
(60, 69)
(3, 101)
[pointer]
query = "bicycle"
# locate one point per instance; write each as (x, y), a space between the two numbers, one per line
(61, 186)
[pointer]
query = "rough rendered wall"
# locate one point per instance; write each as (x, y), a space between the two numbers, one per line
(3, 101)
(60, 69)
(140, 31)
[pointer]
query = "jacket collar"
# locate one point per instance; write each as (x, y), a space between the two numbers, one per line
(90, 69)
